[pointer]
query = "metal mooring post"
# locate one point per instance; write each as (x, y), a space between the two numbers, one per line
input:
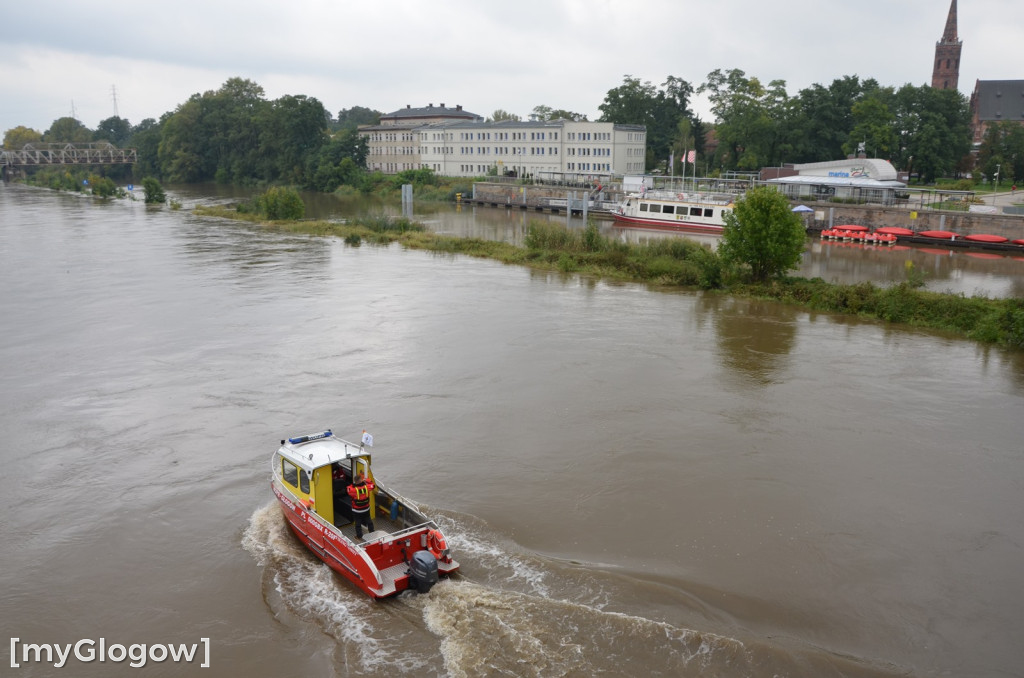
(407, 200)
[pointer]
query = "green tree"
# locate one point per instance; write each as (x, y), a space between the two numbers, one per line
(183, 156)
(351, 118)
(821, 118)
(216, 135)
(67, 130)
(933, 127)
(291, 129)
(16, 137)
(1014, 151)
(154, 191)
(340, 161)
(762, 232)
(502, 115)
(683, 142)
(746, 119)
(659, 110)
(544, 113)
(115, 130)
(1002, 148)
(145, 139)
(873, 129)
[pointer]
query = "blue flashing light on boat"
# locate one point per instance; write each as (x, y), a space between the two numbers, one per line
(313, 436)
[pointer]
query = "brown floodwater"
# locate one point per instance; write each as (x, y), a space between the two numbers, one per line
(636, 481)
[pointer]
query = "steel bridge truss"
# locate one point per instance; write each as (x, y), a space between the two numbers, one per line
(68, 154)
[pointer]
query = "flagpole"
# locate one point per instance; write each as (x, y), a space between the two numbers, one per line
(684, 170)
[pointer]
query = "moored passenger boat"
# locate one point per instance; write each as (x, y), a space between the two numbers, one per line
(697, 212)
(311, 477)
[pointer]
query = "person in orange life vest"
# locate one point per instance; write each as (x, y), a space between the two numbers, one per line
(360, 490)
(338, 473)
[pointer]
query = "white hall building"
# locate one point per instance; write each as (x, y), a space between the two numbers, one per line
(456, 143)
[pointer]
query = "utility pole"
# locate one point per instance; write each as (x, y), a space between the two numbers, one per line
(113, 95)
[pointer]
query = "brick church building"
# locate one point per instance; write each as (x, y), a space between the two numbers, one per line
(992, 101)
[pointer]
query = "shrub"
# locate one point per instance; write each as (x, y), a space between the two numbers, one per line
(593, 241)
(103, 187)
(280, 203)
(154, 191)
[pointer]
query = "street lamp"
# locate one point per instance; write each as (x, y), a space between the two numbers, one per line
(996, 187)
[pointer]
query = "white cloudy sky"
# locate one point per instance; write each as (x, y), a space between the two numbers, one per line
(64, 55)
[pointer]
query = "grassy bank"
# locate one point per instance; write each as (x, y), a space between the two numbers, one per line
(683, 263)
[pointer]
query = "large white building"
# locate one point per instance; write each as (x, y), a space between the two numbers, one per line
(453, 142)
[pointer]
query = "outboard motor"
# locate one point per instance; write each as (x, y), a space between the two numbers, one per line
(423, 570)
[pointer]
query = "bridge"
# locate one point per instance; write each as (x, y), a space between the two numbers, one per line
(33, 155)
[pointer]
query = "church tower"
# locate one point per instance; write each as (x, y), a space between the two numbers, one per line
(946, 73)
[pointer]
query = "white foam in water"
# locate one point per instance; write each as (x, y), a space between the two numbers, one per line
(485, 631)
(483, 627)
(312, 591)
(495, 561)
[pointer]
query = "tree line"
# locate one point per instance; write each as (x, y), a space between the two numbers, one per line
(236, 135)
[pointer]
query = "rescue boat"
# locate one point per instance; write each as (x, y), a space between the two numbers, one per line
(311, 475)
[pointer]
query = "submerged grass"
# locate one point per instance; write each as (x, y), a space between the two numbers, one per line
(680, 262)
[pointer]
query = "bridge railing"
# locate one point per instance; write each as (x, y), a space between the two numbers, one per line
(102, 153)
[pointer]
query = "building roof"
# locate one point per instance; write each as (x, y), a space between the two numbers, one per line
(859, 182)
(430, 111)
(868, 168)
(478, 124)
(999, 100)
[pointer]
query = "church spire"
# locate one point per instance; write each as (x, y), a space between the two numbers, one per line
(946, 71)
(949, 35)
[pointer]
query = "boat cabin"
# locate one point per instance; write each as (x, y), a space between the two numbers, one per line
(318, 470)
(664, 208)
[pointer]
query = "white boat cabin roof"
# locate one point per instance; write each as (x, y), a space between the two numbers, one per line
(689, 198)
(312, 451)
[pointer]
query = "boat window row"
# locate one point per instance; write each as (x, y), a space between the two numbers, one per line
(652, 207)
(295, 476)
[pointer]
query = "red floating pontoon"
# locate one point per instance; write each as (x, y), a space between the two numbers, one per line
(984, 237)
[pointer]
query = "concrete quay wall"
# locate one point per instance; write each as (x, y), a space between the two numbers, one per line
(535, 197)
(828, 215)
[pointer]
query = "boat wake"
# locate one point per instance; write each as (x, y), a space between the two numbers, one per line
(298, 585)
(508, 612)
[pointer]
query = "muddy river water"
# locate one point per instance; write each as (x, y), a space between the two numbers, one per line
(637, 481)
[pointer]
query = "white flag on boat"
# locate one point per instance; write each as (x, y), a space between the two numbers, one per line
(367, 439)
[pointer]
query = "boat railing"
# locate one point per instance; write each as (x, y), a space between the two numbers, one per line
(401, 534)
(708, 198)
